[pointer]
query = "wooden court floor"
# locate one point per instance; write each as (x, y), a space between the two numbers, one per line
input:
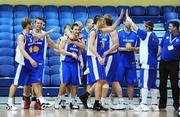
(51, 112)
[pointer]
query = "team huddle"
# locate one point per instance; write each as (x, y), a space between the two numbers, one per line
(96, 57)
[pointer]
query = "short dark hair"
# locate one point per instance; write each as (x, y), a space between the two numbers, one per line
(38, 18)
(150, 25)
(25, 22)
(44, 20)
(97, 18)
(175, 24)
(74, 25)
(108, 19)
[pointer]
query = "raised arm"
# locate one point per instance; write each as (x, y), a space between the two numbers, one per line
(133, 25)
(38, 36)
(113, 27)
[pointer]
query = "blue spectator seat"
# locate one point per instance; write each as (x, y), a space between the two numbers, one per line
(153, 10)
(20, 14)
(6, 44)
(6, 28)
(65, 15)
(7, 52)
(109, 10)
(54, 60)
(50, 8)
(35, 14)
(51, 15)
(52, 22)
(21, 8)
(55, 80)
(35, 8)
(6, 36)
(79, 9)
(6, 14)
(119, 8)
(57, 28)
(66, 21)
(55, 69)
(6, 21)
(138, 10)
(6, 60)
(6, 7)
(7, 70)
(80, 15)
(65, 8)
(167, 8)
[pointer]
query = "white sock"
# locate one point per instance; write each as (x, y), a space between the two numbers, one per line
(144, 94)
(120, 99)
(154, 96)
(10, 100)
(42, 100)
(72, 99)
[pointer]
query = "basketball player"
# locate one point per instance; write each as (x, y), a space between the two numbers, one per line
(39, 26)
(127, 66)
(69, 73)
(26, 63)
(148, 60)
(111, 63)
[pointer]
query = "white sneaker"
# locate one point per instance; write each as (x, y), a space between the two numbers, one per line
(11, 107)
(74, 105)
(87, 71)
(57, 103)
(154, 107)
(142, 108)
(119, 106)
(131, 106)
(104, 102)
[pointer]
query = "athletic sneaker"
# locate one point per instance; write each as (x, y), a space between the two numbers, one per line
(74, 104)
(99, 107)
(84, 99)
(142, 108)
(60, 103)
(25, 104)
(39, 106)
(11, 107)
(111, 100)
(154, 107)
(131, 106)
(119, 106)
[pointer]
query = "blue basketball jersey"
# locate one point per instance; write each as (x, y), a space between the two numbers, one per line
(127, 58)
(85, 35)
(70, 48)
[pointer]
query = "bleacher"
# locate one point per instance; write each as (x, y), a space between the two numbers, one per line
(58, 16)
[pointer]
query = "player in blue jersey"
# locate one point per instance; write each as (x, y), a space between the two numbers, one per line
(126, 72)
(69, 71)
(25, 63)
(111, 44)
(148, 60)
(40, 56)
(169, 64)
(96, 62)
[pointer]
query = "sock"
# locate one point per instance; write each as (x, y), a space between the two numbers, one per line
(96, 102)
(10, 100)
(144, 94)
(33, 99)
(154, 96)
(87, 94)
(42, 100)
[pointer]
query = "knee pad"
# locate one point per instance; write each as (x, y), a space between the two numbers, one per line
(106, 86)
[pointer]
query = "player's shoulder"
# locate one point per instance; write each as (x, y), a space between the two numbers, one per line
(120, 30)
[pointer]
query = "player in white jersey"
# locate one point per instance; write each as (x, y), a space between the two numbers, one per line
(148, 60)
(26, 63)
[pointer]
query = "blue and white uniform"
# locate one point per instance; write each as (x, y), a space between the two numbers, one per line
(97, 71)
(111, 60)
(69, 68)
(23, 66)
(148, 58)
(39, 50)
(127, 62)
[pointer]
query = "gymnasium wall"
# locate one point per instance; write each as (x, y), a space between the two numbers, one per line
(94, 2)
